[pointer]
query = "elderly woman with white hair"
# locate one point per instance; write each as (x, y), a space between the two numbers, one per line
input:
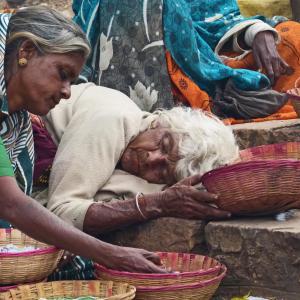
(109, 150)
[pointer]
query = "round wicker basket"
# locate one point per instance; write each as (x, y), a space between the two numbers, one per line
(30, 266)
(107, 290)
(290, 150)
(203, 290)
(188, 268)
(256, 187)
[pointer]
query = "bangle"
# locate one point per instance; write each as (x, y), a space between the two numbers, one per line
(137, 198)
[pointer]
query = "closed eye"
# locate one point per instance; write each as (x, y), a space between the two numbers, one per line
(166, 143)
(63, 75)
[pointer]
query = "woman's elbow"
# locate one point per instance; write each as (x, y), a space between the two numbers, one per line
(11, 197)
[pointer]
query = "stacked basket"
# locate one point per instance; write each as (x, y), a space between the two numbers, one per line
(34, 266)
(28, 266)
(266, 181)
(191, 277)
(92, 289)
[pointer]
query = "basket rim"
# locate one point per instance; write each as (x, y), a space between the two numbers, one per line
(159, 276)
(45, 250)
(251, 165)
(279, 148)
(6, 288)
(202, 283)
(131, 288)
(48, 250)
(276, 145)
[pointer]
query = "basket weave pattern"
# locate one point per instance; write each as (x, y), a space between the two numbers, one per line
(191, 268)
(30, 266)
(256, 187)
(196, 277)
(58, 289)
(203, 290)
(289, 150)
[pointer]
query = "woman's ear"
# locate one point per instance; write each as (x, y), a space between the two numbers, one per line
(27, 50)
(155, 124)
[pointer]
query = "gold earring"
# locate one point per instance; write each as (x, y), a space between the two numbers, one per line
(22, 62)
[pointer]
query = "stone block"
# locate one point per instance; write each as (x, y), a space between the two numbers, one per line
(256, 134)
(164, 234)
(262, 255)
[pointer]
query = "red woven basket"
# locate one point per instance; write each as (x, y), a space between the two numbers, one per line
(203, 290)
(256, 187)
(189, 268)
(289, 150)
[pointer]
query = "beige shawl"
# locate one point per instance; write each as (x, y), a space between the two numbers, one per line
(93, 128)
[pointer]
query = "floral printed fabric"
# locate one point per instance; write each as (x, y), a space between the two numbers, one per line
(128, 49)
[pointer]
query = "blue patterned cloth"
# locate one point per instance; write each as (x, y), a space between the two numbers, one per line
(78, 268)
(128, 53)
(16, 131)
(192, 30)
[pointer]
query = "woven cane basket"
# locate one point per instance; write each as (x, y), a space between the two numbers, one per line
(289, 150)
(256, 187)
(202, 290)
(7, 287)
(187, 268)
(30, 266)
(107, 290)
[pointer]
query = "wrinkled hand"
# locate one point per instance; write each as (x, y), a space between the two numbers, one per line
(134, 260)
(267, 57)
(183, 200)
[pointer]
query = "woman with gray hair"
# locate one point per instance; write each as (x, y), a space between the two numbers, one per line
(108, 150)
(41, 53)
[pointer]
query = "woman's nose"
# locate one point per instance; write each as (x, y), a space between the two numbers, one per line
(155, 157)
(66, 91)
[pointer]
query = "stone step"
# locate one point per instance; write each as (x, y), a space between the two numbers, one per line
(262, 256)
(271, 132)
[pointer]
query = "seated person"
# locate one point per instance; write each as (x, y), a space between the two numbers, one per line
(217, 59)
(111, 150)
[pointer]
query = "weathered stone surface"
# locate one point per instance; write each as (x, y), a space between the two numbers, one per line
(262, 255)
(165, 234)
(255, 134)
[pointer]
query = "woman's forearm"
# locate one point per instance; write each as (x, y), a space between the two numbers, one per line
(104, 217)
(33, 219)
(39, 223)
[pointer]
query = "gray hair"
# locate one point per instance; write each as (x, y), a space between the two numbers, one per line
(205, 143)
(49, 30)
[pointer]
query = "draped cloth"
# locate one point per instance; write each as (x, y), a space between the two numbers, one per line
(128, 51)
(192, 30)
(288, 49)
(15, 130)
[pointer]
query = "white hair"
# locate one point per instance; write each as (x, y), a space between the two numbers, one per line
(205, 143)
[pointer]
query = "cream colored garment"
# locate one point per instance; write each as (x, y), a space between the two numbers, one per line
(93, 128)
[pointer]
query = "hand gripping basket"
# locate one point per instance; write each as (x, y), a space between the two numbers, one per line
(107, 290)
(30, 266)
(189, 268)
(256, 187)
